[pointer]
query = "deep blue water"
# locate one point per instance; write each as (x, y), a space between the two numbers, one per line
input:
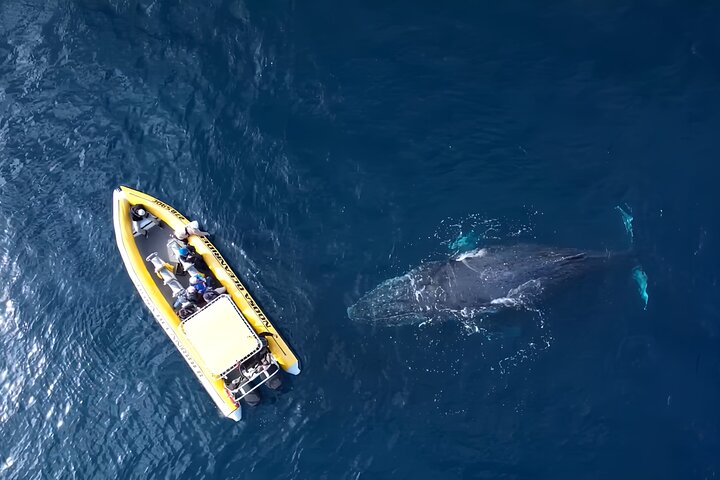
(329, 146)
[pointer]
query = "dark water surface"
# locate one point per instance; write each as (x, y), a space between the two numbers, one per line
(329, 146)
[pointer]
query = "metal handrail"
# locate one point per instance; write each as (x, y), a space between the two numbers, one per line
(277, 369)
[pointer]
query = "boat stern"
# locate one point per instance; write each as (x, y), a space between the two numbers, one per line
(235, 415)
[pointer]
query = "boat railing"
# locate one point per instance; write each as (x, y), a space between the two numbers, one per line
(266, 374)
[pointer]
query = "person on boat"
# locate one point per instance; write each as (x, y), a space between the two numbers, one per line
(210, 295)
(137, 212)
(205, 285)
(137, 215)
(200, 282)
(192, 228)
(193, 295)
(190, 295)
(187, 254)
(186, 310)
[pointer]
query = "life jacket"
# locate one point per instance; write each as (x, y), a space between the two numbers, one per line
(202, 285)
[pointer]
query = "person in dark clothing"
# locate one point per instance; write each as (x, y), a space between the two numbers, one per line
(186, 310)
(201, 282)
(192, 257)
(193, 295)
(140, 220)
(137, 212)
(189, 296)
(206, 286)
(210, 295)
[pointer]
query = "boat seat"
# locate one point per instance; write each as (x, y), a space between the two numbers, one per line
(168, 277)
(143, 226)
(174, 246)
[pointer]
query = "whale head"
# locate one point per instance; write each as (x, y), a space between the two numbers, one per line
(398, 301)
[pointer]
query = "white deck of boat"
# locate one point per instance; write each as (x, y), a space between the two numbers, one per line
(220, 335)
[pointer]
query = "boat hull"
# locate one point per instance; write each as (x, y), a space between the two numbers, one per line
(123, 199)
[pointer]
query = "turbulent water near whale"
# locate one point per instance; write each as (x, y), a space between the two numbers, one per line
(328, 146)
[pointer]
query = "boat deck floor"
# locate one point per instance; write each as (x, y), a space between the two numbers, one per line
(156, 241)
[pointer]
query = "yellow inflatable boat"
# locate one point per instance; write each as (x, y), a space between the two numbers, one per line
(220, 330)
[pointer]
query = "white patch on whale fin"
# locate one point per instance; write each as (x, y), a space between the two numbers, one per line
(521, 296)
(530, 288)
(480, 252)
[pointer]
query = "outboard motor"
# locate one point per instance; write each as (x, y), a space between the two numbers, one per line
(275, 382)
(252, 398)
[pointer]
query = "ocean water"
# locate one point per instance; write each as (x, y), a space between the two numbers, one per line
(329, 146)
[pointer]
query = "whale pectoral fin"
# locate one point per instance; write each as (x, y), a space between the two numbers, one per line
(526, 293)
(577, 256)
(521, 296)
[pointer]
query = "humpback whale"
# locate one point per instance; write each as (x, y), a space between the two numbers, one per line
(483, 281)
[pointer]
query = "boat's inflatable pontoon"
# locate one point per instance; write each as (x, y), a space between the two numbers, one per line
(225, 337)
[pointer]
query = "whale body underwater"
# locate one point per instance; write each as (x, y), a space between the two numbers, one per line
(479, 282)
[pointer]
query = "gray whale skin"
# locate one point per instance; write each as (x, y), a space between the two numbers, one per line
(479, 282)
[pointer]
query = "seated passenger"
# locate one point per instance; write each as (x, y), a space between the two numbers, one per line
(193, 295)
(201, 282)
(179, 301)
(210, 295)
(184, 254)
(190, 295)
(205, 283)
(186, 310)
(188, 254)
(140, 221)
(192, 228)
(137, 212)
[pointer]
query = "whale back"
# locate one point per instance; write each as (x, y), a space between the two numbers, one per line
(476, 282)
(496, 272)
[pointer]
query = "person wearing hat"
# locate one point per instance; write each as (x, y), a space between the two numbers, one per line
(200, 282)
(204, 282)
(190, 295)
(205, 286)
(137, 212)
(193, 294)
(137, 215)
(184, 254)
